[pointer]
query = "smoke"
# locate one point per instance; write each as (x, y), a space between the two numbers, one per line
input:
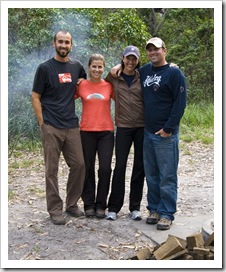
(27, 52)
(24, 56)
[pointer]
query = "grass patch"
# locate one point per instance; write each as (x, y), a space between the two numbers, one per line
(11, 195)
(197, 123)
(21, 164)
(37, 191)
(17, 148)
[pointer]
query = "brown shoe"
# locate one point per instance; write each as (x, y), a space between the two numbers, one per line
(90, 212)
(75, 212)
(164, 224)
(100, 213)
(58, 219)
(153, 218)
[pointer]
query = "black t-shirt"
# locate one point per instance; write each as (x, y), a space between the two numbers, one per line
(56, 83)
(128, 78)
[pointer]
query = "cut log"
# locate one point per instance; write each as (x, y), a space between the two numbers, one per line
(144, 254)
(211, 248)
(170, 247)
(195, 240)
(182, 241)
(176, 255)
(185, 257)
(199, 250)
(210, 256)
(210, 240)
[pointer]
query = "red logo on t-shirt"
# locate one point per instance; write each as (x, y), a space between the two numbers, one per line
(65, 78)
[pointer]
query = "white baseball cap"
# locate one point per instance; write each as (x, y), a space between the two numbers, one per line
(157, 42)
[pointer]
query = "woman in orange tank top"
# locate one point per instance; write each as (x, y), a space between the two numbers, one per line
(97, 134)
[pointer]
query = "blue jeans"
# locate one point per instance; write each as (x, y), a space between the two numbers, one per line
(161, 157)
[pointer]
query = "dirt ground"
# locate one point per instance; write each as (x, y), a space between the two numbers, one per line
(31, 235)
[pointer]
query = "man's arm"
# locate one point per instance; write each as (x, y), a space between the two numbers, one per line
(179, 91)
(116, 70)
(36, 103)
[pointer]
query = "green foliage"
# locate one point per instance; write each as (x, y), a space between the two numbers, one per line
(22, 125)
(110, 32)
(189, 36)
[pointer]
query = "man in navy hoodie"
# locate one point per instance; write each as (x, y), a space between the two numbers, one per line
(164, 93)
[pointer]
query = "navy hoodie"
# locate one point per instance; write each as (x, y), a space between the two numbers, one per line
(164, 92)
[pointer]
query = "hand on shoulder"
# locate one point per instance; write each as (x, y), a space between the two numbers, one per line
(174, 65)
(116, 70)
(80, 80)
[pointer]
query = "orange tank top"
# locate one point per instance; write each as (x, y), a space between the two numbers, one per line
(96, 105)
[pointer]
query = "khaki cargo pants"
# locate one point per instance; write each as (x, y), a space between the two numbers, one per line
(68, 142)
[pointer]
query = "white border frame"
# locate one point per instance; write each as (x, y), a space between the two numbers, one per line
(217, 262)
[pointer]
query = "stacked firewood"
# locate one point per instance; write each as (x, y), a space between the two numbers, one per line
(175, 248)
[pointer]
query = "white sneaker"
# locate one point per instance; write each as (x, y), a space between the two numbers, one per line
(111, 216)
(136, 215)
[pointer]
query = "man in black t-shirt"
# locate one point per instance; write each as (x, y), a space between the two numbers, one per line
(53, 102)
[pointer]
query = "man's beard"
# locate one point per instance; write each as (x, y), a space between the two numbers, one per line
(62, 54)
